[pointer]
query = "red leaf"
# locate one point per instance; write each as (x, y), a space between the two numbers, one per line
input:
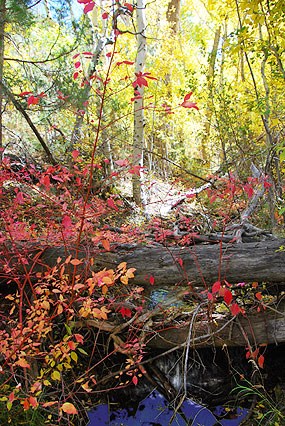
(45, 180)
(141, 79)
(267, 184)
(228, 297)
(210, 296)
(135, 170)
(77, 64)
(24, 93)
(83, 1)
(105, 15)
(216, 287)
(260, 361)
(180, 261)
(235, 309)
(151, 280)
(122, 163)
(125, 62)
(249, 190)
(129, 6)
(66, 222)
(187, 104)
(135, 380)
(126, 312)
(188, 96)
(110, 203)
(75, 75)
(33, 100)
(89, 7)
(75, 154)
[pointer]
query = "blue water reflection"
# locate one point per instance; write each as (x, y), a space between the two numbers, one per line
(155, 411)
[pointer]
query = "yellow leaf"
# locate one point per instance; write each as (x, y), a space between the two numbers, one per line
(130, 272)
(86, 387)
(74, 356)
(55, 375)
(124, 280)
(69, 408)
(122, 265)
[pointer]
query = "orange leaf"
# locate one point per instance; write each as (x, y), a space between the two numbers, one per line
(23, 363)
(258, 296)
(260, 361)
(69, 408)
(71, 345)
(33, 401)
(75, 262)
(106, 245)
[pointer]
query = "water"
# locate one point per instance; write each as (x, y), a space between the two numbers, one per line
(154, 410)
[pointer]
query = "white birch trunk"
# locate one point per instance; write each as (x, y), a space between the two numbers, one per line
(139, 122)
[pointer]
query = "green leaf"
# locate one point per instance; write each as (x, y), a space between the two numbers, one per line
(68, 329)
(82, 351)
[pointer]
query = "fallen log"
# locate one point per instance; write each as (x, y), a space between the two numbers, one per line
(177, 267)
(253, 329)
(199, 265)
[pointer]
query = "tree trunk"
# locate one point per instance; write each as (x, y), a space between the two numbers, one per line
(173, 15)
(2, 42)
(139, 122)
(209, 112)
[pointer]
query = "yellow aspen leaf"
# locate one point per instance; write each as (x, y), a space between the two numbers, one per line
(55, 375)
(69, 408)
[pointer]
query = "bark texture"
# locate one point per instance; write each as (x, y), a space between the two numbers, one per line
(199, 265)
